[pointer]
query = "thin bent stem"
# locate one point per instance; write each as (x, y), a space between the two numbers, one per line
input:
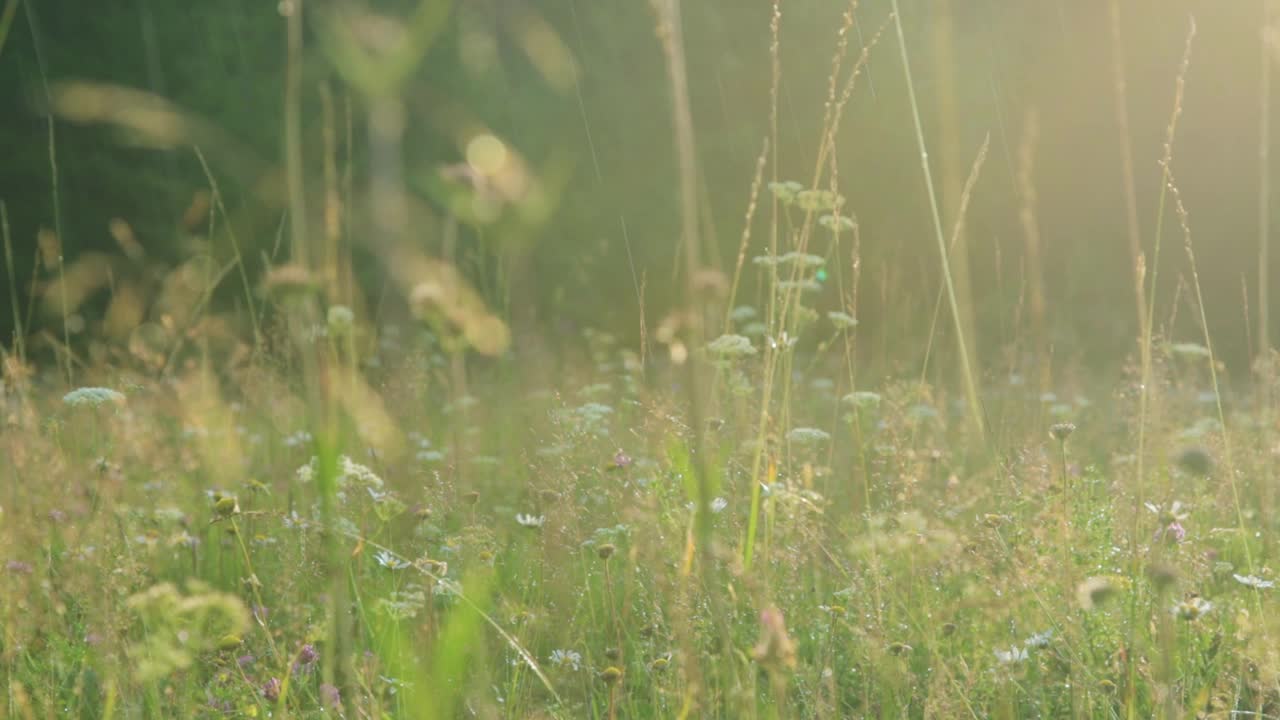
(971, 388)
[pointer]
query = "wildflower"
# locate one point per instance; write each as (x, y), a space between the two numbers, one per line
(271, 689)
(93, 397)
(1254, 582)
(727, 346)
(1192, 608)
(438, 567)
(718, 505)
(429, 456)
(785, 192)
(804, 260)
(1062, 431)
(862, 399)
(471, 497)
(404, 604)
(620, 460)
(1039, 640)
(307, 657)
(230, 641)
(899, 649)
(224, 506)
(593, 411)
(775, 649)
(1013, 655)
(246, 660)
(18, 567)
(351, 471)
(836, 223)
(611, 675)
(1189, 350)
(532, 522)
(330, 697)
(566, 659)
(605, 551)
(808, 436)
(660, 663)
(841, 320)
(805, 285)
(994, 520)
(389, 560)
(302, 438)
(1173, 513)
(340, 319)
(814, 200)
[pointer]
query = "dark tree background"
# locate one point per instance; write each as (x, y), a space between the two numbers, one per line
(579, 90)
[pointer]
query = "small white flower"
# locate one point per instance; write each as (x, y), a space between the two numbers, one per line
(430, 456)
(1192, 609)
(1189, 350)
(350, 470)
(837, 222)
(1254, 582)
(717, 505)
(802, 259)
(783, 341)
(808, 436)
(531, 521)
(1039, 640)
(731, 346)
(785, 191)
(863, 399)
(341, 319)
(805, 285)
(1013, 655)
(566, 659)
(842, 320)
(1173, 512)
(389, 560)
(92, 397)
(298, 439)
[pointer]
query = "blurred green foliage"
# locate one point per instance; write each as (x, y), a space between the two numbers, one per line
(578, 89)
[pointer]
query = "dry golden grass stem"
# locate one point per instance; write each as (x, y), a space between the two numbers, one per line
(965, 196)
(749, 216)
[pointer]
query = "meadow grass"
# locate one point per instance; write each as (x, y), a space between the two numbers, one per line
(166, 553)
(368, 515)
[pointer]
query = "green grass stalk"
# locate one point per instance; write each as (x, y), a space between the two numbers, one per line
(970, 383)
